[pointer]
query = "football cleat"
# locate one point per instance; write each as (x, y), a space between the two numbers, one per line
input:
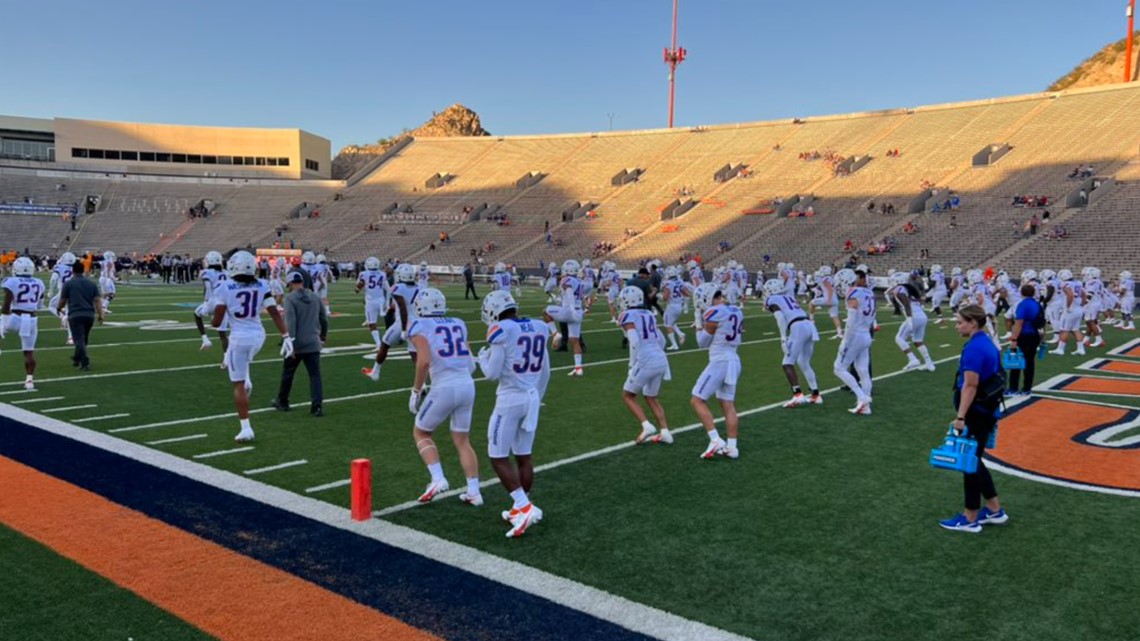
(577, 371)
(206, 344)
(665, 437)
(731, 452)
(371, 373)
(472, 499)
(70, 340)
(435, 488)
(244, 436)
(672, 348)
(862, 408)
(912, 365)
(29, 386)
(646, 433)
(525, 518)
(929, 367)
(716, 446)
(815, 399)
(797, 400)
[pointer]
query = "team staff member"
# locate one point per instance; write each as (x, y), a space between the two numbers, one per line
(469, 281)
(84, 305)
(1027, 338)
(979, 362)
(309, 326)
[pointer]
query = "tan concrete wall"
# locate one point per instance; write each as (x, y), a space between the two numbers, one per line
(181, 139)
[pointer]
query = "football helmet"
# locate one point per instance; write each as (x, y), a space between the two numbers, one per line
(974, 276)
(585, 262)
(631, 297)
(321, 259)
(1065, 274)
(1048, 274)
(308, 258)
(500, 267)
(423, 264)
(372, 263)
(1126, 275)
(494, 304)
(109, 256)
(1028, 275)
(214, 259)
(957, 271)
(242, 264)
(429, 302)
(825, 270)
(844, 278)
(671, 273)
(406, 273)
(570, 267)
(704, 294)
(692, 264)
(773, 288)
(1094, 272)
(23, 266)
(67, 258)
(936, 269)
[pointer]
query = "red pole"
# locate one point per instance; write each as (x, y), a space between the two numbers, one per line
(673, 57)
(1131, 31)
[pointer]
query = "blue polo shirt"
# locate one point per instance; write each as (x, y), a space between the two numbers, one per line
(980, 355)
(1027, 311)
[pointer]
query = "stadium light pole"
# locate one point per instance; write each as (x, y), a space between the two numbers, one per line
(1131, 11)
(674, 56)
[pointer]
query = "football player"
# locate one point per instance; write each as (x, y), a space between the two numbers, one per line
(937, 291)
(569, 312)
(374, 282)
(798, 337)
(913, 329)
(1072, 312)
(240, 300)
(60, 274)
(1126, 287)
(213, 276)
(828, 297)
(1094, 303)
(515, 356)
(403, 296)
(423, 275)
(501, 281)
(855, 349)
(23, 293)
(322, 277)
(107, 280)
(441, 342)
(674, 292)
(721, 336)
(648, 364)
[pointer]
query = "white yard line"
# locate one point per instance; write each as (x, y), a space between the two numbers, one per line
(328, 486)
(106, 417)
(69, 408)
(279, 466)
(628, 444)
(223, 452)
(38, 400)
(15, 391)
(592, 601)
(179, 439)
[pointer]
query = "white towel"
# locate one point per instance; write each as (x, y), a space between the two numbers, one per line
(27, 325)
(533, 404)
(668, 372)
(732, 371)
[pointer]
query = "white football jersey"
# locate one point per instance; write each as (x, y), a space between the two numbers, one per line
(572, 292)
(502, 281)
(696, 276)
(244, 303)
(62, 274)
(26, 292)
(831, 300)
(451, 359)
(524, 341)
(1095, 289)
(678, 291)
(108, 269)
(423, 276)
(651, 349)
(211, 279)
(789, 309)
(408, 292)
(938, 281)
(729, 331)
(1078, 291)
(1126, 287)
(375, 284)
(863, 318)
(983, 294)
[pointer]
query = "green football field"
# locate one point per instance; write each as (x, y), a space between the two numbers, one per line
(825, 528)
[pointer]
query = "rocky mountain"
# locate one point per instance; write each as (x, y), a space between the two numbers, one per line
(1104, 68)
(456, 120)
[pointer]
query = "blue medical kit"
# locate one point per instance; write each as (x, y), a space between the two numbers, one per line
(958, 453)
(1012, 358)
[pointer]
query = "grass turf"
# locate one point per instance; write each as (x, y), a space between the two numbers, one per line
(825, 528)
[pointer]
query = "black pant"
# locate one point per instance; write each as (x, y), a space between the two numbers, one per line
(979, 485)
(471, 289)
(312, 361)
(80, 331)
(1027, 343)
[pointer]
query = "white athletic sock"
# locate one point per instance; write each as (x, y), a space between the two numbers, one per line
(732, 442)
(520, 498)
(922, 349)
(436, 471)
(376, 337)
(713, 435)
(673, 339)
(553, 327)
(473, 486)
(245, 425)
(577, 361)
(28, 378)
(645, 425)
(328, 311)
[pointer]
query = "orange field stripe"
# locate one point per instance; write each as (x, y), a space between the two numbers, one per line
(219, 591)
(1120, 367)
(1134, 352)
(1040, 438)
(1103, 386)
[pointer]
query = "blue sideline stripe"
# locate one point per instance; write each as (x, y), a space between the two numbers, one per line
(438, 598)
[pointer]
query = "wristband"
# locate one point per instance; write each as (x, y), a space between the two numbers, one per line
(961, 418)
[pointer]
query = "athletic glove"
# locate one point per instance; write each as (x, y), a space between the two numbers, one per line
(414, 401)
(3, 325)
(287, 346)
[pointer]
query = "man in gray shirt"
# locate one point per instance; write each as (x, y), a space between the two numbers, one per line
(309, 326)
(84, 304)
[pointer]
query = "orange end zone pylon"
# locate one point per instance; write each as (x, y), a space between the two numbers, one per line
(361, 489)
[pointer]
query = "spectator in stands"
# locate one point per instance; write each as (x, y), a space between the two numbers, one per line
(431, 247)
(871, 206)
(1045, 216)
(953, 220)
(1084, 195)
(1033, 224)
(848, 246)
(402, 232)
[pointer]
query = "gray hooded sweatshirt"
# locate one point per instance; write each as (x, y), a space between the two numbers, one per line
(306, 320)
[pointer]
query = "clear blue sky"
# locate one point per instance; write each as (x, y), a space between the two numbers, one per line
(358, 70)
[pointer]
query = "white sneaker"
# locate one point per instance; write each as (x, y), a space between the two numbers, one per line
(815, 399)
(797, 400)
(929, 366)
(523, 519)
(1080, 351)
(577, 371)
(672, 348)
(862, 408)
(646, 432)
(837, 337)
(1058, 352)
(665, 437)
(715, 447)
(731, 452)
(1054, 340)
(206, 344)
(1098, 342)
(244, 436)
(371, 373)
(681, 338)
(70, 340)
(556, 340)
(472, 499)
(29, 386)
(434, 489)
(911, 365)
